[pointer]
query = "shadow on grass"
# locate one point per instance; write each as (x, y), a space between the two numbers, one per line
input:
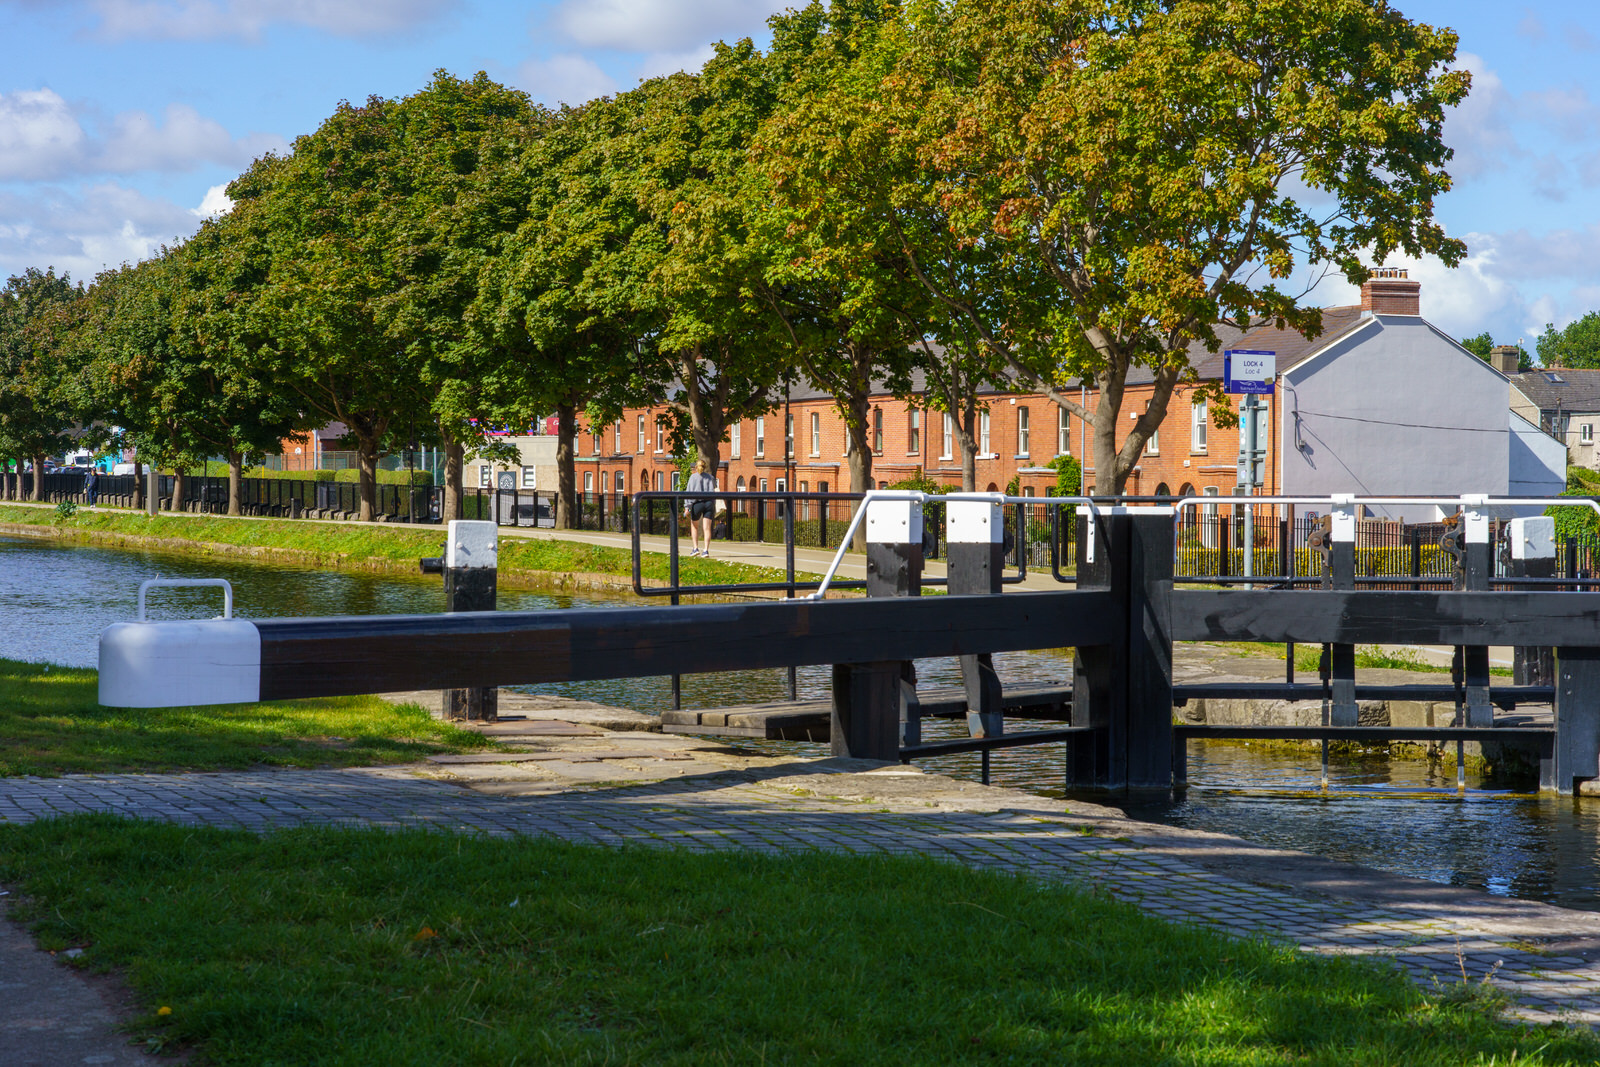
(51, 723)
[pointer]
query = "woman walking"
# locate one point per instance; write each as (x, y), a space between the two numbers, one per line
(699, 510)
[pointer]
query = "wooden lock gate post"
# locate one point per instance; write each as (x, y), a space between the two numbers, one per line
(975, 558)
(873, 701)
(1122, 690)
(470, 567)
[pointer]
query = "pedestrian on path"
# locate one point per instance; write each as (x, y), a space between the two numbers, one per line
(699, 510)
(91, 488)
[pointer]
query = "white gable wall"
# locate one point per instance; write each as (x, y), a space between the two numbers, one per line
(1394, 408)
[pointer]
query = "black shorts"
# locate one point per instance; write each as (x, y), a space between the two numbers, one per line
(701, 509)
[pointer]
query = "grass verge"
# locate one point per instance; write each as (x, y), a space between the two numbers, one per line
(369, 546)
(1308, 658)
(324, 946)
(51, 723)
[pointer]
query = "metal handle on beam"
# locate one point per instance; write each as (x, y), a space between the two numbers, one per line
(227, 591)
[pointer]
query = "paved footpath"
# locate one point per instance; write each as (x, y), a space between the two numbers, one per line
(1545, 958)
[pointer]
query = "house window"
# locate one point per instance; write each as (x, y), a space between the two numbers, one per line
(660, 481)
(641, 435)
(1586, 433)
(983, 433)
(483, 477)
(617, 436)
(761, 437)
(738, 486)
(788, 437)
(816, 433)
(913, 432)
(1152, 447)
(1199, 420)
(622, 484)
(877, 431)
(597, 442)
(588, 482)
(733, 439)
(763, 485)
(1022, 431)
(1063, 432)
(530, 478)
(659, 433)
(949, 436)
(676, 478)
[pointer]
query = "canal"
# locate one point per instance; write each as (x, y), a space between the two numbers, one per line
(1398, 815)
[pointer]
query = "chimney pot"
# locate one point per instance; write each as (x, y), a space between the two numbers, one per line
(1506, 359)
(1390, 292)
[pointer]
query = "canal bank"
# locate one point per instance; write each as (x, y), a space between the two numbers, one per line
(626, 788)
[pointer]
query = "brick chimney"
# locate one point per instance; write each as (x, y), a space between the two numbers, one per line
(1506, 359)
(1389, 292)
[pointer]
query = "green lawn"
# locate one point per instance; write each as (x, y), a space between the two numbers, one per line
(365, 947)
(381, 546)
(50, 723)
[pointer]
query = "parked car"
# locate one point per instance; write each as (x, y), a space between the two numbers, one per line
(122, 468)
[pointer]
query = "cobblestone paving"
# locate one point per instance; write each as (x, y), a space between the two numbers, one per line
(727, 812)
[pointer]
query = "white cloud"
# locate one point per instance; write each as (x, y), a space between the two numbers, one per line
(86, 231)
(661, 25)
(564, 79)
(192, 20)
(44, 137)
(658, 63)
(40, 137)
(1480, 128)
(215, 202)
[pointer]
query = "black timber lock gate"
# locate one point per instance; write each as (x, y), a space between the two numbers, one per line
(1123, 617)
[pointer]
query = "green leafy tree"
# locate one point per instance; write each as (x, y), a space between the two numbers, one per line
(37, 416)
(323, 214)
(1575, 345)
(1163, 168)
(1480, 346)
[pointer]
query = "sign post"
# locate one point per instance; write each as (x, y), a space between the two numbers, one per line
(1252, 373)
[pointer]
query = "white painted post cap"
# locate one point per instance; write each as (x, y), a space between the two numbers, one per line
(974, 522)
(894, 522)
(180, 664)
(1533, 537)
(473, 545)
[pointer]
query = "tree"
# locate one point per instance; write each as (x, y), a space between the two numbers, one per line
(461, 192)
(321, 214)
(1162, 167)
(36, 417)
(1575, 345)
(720, 353)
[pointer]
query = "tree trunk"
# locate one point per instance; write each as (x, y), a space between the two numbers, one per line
(180, 485)
(38, 477)
(566, 470)
(967, 444)
(454, 455)
(235, 482)
(367, 457)
(857, 411)
(138, 484)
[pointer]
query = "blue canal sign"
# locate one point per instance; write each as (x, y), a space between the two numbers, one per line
(1247, 371)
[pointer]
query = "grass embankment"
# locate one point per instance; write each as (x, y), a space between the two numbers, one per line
(51, 723)
(358, 947)
(533, 562)
(1308, 658)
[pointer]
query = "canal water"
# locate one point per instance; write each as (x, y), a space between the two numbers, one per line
(1399, 815)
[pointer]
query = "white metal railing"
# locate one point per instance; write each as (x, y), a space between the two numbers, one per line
(227, 591)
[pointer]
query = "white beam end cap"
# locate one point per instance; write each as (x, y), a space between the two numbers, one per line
(473, 545)
(894, 522)
(180, 664)
(1533, 537)
(974, 522)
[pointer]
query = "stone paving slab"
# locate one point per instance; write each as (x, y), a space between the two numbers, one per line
(854, 807)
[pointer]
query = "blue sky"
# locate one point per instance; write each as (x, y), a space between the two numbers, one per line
(120, 120)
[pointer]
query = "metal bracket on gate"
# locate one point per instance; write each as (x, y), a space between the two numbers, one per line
(227, 591)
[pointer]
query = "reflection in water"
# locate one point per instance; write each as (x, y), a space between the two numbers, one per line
(1398, 816)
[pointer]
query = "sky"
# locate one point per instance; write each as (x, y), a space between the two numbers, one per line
(121, 121)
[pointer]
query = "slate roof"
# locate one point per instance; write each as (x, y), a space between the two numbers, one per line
(1577, 391)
